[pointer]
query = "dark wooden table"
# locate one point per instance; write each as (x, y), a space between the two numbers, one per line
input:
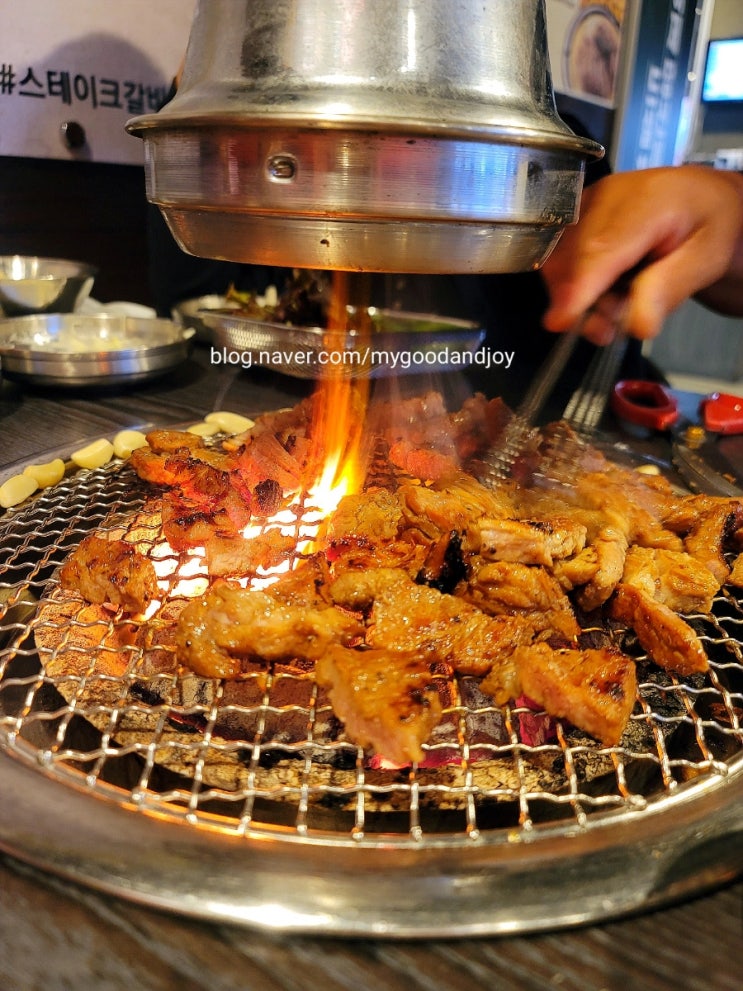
(58, 937)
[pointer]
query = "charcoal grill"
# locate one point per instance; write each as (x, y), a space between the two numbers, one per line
(265, 816)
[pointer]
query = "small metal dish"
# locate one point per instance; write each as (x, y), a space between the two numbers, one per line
(190, 313)
(29, 284)
(399, 343)
(90, 349)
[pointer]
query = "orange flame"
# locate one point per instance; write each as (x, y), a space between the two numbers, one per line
(337, 462)
(337, 459)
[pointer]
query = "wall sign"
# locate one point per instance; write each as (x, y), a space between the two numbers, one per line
(73, 73)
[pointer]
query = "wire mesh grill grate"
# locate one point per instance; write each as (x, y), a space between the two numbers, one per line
(81, 701)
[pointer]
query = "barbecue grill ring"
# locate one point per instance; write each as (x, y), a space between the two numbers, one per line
(389, 886)
(152, 847)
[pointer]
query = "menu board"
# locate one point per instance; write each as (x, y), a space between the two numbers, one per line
(73, 73)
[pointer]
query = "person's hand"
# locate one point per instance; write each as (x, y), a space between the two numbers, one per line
(684, 224)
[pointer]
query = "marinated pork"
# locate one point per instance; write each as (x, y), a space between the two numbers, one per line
(412, 617)
(229, 624)
(388, 700)
(667, 638)
(674, 578)
(593, 689)
(417, 582)
(111, 571)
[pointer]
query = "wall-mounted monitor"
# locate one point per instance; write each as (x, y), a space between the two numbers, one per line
(723, 72)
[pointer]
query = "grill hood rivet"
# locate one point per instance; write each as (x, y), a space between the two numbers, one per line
(282, 168)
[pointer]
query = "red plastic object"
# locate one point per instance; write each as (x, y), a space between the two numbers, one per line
(722, 413)
(648, 404)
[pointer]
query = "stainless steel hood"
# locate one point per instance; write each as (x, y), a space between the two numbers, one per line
(395, 135)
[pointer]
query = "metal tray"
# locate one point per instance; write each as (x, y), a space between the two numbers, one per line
(90, 349)
(400, 343)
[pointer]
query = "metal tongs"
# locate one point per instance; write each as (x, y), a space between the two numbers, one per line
(588, 402)
(501, 458)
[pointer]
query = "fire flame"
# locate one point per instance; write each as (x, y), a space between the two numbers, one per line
(337, 462)
(340, 402)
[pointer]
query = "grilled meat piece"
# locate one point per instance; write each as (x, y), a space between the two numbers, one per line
(112, 571)
(213, 502)
(364, 533)
(594, 689)
(217, 630)
(610, 548)
(171, 441)
(421, 420)
(406, 555)
(374, 515)
(428, 465)
(668, 639)
(444, 567)
(456, 503)
(684, 513)
(417, 618)
(306, 585)
(736, 572)
(575, 571)
(632, 502)
(530, 541)
(706, 540)
(429, 443)
(387, 700)
(239, 557)
(674, 578)
(169, 454)
(183, 526)
(289, 426)
(271, 458)
(708, 524)
(501, 588)
(205, 495)
(267, 498)
(264, 456)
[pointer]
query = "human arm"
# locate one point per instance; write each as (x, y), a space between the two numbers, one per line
(683, 223)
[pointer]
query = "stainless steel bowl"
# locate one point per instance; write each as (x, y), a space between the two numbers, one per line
(29, 284)
(400, 135)
(90, 349)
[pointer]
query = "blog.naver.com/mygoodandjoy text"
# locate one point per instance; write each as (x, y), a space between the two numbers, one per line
(364, 358)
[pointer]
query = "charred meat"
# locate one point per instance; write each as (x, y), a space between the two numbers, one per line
(111, 571)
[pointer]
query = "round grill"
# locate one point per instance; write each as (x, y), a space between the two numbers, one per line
(265, 814)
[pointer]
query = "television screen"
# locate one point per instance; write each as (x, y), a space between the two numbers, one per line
(723, 74)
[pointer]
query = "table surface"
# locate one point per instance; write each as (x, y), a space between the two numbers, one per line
(55, 935)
